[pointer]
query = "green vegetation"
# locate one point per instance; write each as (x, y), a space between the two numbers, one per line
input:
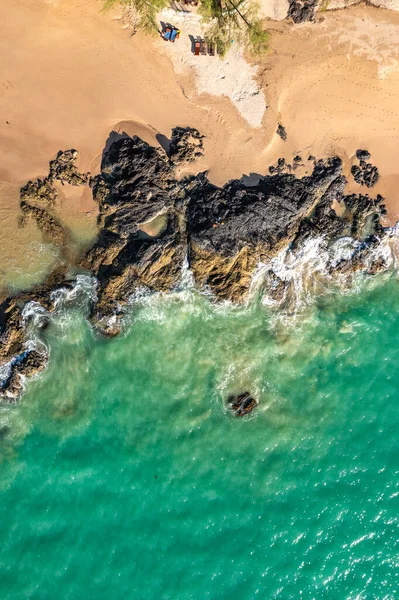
(228, 21)
(143, 13)
(234, 21)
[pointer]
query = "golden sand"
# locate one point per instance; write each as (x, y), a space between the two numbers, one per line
(71, 75)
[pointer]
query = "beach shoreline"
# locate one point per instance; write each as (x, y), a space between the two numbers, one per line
(78, 75)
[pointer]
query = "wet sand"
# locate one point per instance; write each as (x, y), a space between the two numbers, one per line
(72, 74)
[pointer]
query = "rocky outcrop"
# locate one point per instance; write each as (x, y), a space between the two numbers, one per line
(302, 10)
(186, 145)
(151, 223)
(16, 358)
(26, 364)
(231, 229)
(281, 131)
(20, 358)
(364, 173)
(43, 192)
(52, 230)
(136, 185)
(242, 404)
(224, 232)
(63, 169)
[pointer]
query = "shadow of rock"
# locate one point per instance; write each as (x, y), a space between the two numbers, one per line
(163, 141)
(251, 180)
(113, 137)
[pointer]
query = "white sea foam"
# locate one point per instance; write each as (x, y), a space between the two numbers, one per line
(85, 289)
(310, 269)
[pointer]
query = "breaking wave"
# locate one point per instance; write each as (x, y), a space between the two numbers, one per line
(296, 276)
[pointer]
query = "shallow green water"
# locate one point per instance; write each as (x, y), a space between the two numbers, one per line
(123, 476)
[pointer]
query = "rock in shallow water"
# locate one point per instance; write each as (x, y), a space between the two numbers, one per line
(242, 404)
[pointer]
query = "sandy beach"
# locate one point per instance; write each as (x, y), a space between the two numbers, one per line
(72, 74)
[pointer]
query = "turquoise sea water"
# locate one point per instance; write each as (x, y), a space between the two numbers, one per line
(123, 475)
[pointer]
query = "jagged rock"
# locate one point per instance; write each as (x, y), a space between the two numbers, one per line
(63, 169)
(26, 364)
(231, 228)
(136, 184)
(365, 174)
(281, 132)
(223, 231)
(302, 10)
(12, 335)
(52, 230)
(242, 404)
(363, 154)
(40, 190)
(186, 145)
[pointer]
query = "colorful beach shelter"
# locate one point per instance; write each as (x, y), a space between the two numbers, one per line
(167, 33)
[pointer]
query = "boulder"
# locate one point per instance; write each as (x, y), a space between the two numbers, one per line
(242, 404)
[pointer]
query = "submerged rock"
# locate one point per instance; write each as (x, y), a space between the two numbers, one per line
(27, 364)
(52, 230)
(40, 190)
(242, 404)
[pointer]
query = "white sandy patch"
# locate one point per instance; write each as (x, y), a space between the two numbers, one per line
(276, 10)
(370, 39)
(389, 4)
(335, 4)
(231, 76)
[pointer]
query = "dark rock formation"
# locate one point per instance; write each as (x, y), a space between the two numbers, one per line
(40, 190)
(224, 232)
(242, 404)
(63, 169)
(281, 131)
(17, 357)
(302, 10)
(52, 230)
(186, 145)
(364, 173)
(150, 222)
(136, 185)
(363, 154)
(284, 167)
(26, 364)
(231, 228)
